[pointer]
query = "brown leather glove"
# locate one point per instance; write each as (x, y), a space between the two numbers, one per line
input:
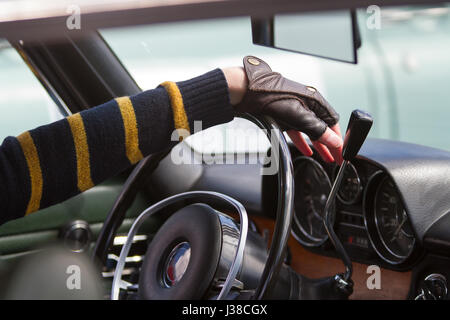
(294, 105)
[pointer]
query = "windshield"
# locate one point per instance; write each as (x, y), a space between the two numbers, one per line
(20, 111)
(401, 78)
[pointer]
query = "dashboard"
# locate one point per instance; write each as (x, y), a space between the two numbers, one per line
(392, 211)
(369, 215)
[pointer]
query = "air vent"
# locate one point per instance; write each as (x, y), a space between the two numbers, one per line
(130, 275)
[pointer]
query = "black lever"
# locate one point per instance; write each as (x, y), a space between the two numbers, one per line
(357, 130)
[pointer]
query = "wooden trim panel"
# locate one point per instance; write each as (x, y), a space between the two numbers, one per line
(394, 285)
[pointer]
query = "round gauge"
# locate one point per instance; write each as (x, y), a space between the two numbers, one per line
(391, 220)
(312, 187)
(388, 227)
(351, 187)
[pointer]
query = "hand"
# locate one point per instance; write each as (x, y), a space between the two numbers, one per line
(297, 108)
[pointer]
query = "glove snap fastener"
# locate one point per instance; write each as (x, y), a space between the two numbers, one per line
(312, 89)
(253, 61)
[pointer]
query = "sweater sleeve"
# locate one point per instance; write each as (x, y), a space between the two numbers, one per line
(54, 162)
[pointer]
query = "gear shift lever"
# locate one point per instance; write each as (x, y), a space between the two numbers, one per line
(357, 130)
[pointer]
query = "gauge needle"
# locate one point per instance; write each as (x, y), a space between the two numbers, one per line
(398, 229)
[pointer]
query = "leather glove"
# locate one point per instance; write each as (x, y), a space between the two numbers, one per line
(294, 105)
(297, 108)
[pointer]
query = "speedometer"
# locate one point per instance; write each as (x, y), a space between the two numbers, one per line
(391, 220)
(387, 222)
(312, 187)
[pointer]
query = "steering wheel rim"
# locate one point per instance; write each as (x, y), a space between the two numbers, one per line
(285, 207)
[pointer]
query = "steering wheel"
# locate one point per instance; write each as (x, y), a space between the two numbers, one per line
(273, 261)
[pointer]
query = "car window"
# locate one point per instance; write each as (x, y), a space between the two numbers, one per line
(24, 103)
(399, 78)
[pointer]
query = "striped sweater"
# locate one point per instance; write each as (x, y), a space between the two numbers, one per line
(54, 162)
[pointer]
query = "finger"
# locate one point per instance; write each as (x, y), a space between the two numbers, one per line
(337, 153)
(323, 151)
(333, 141)
(336, 128)
(300, 142)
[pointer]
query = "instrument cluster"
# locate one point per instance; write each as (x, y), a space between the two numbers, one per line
(369, 215)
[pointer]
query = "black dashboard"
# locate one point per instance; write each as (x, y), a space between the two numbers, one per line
(393, 209)
(393, 206)
(369, 215)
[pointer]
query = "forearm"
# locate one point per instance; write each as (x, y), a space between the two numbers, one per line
(51, 163)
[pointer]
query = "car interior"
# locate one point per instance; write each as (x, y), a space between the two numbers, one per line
(224, 217)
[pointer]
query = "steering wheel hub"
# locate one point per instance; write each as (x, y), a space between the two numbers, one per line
(176, 264)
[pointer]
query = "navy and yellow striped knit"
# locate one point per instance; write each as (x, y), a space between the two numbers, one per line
(52, 163)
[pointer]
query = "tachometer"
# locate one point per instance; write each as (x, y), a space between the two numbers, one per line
(312, 187)
(391, 220)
